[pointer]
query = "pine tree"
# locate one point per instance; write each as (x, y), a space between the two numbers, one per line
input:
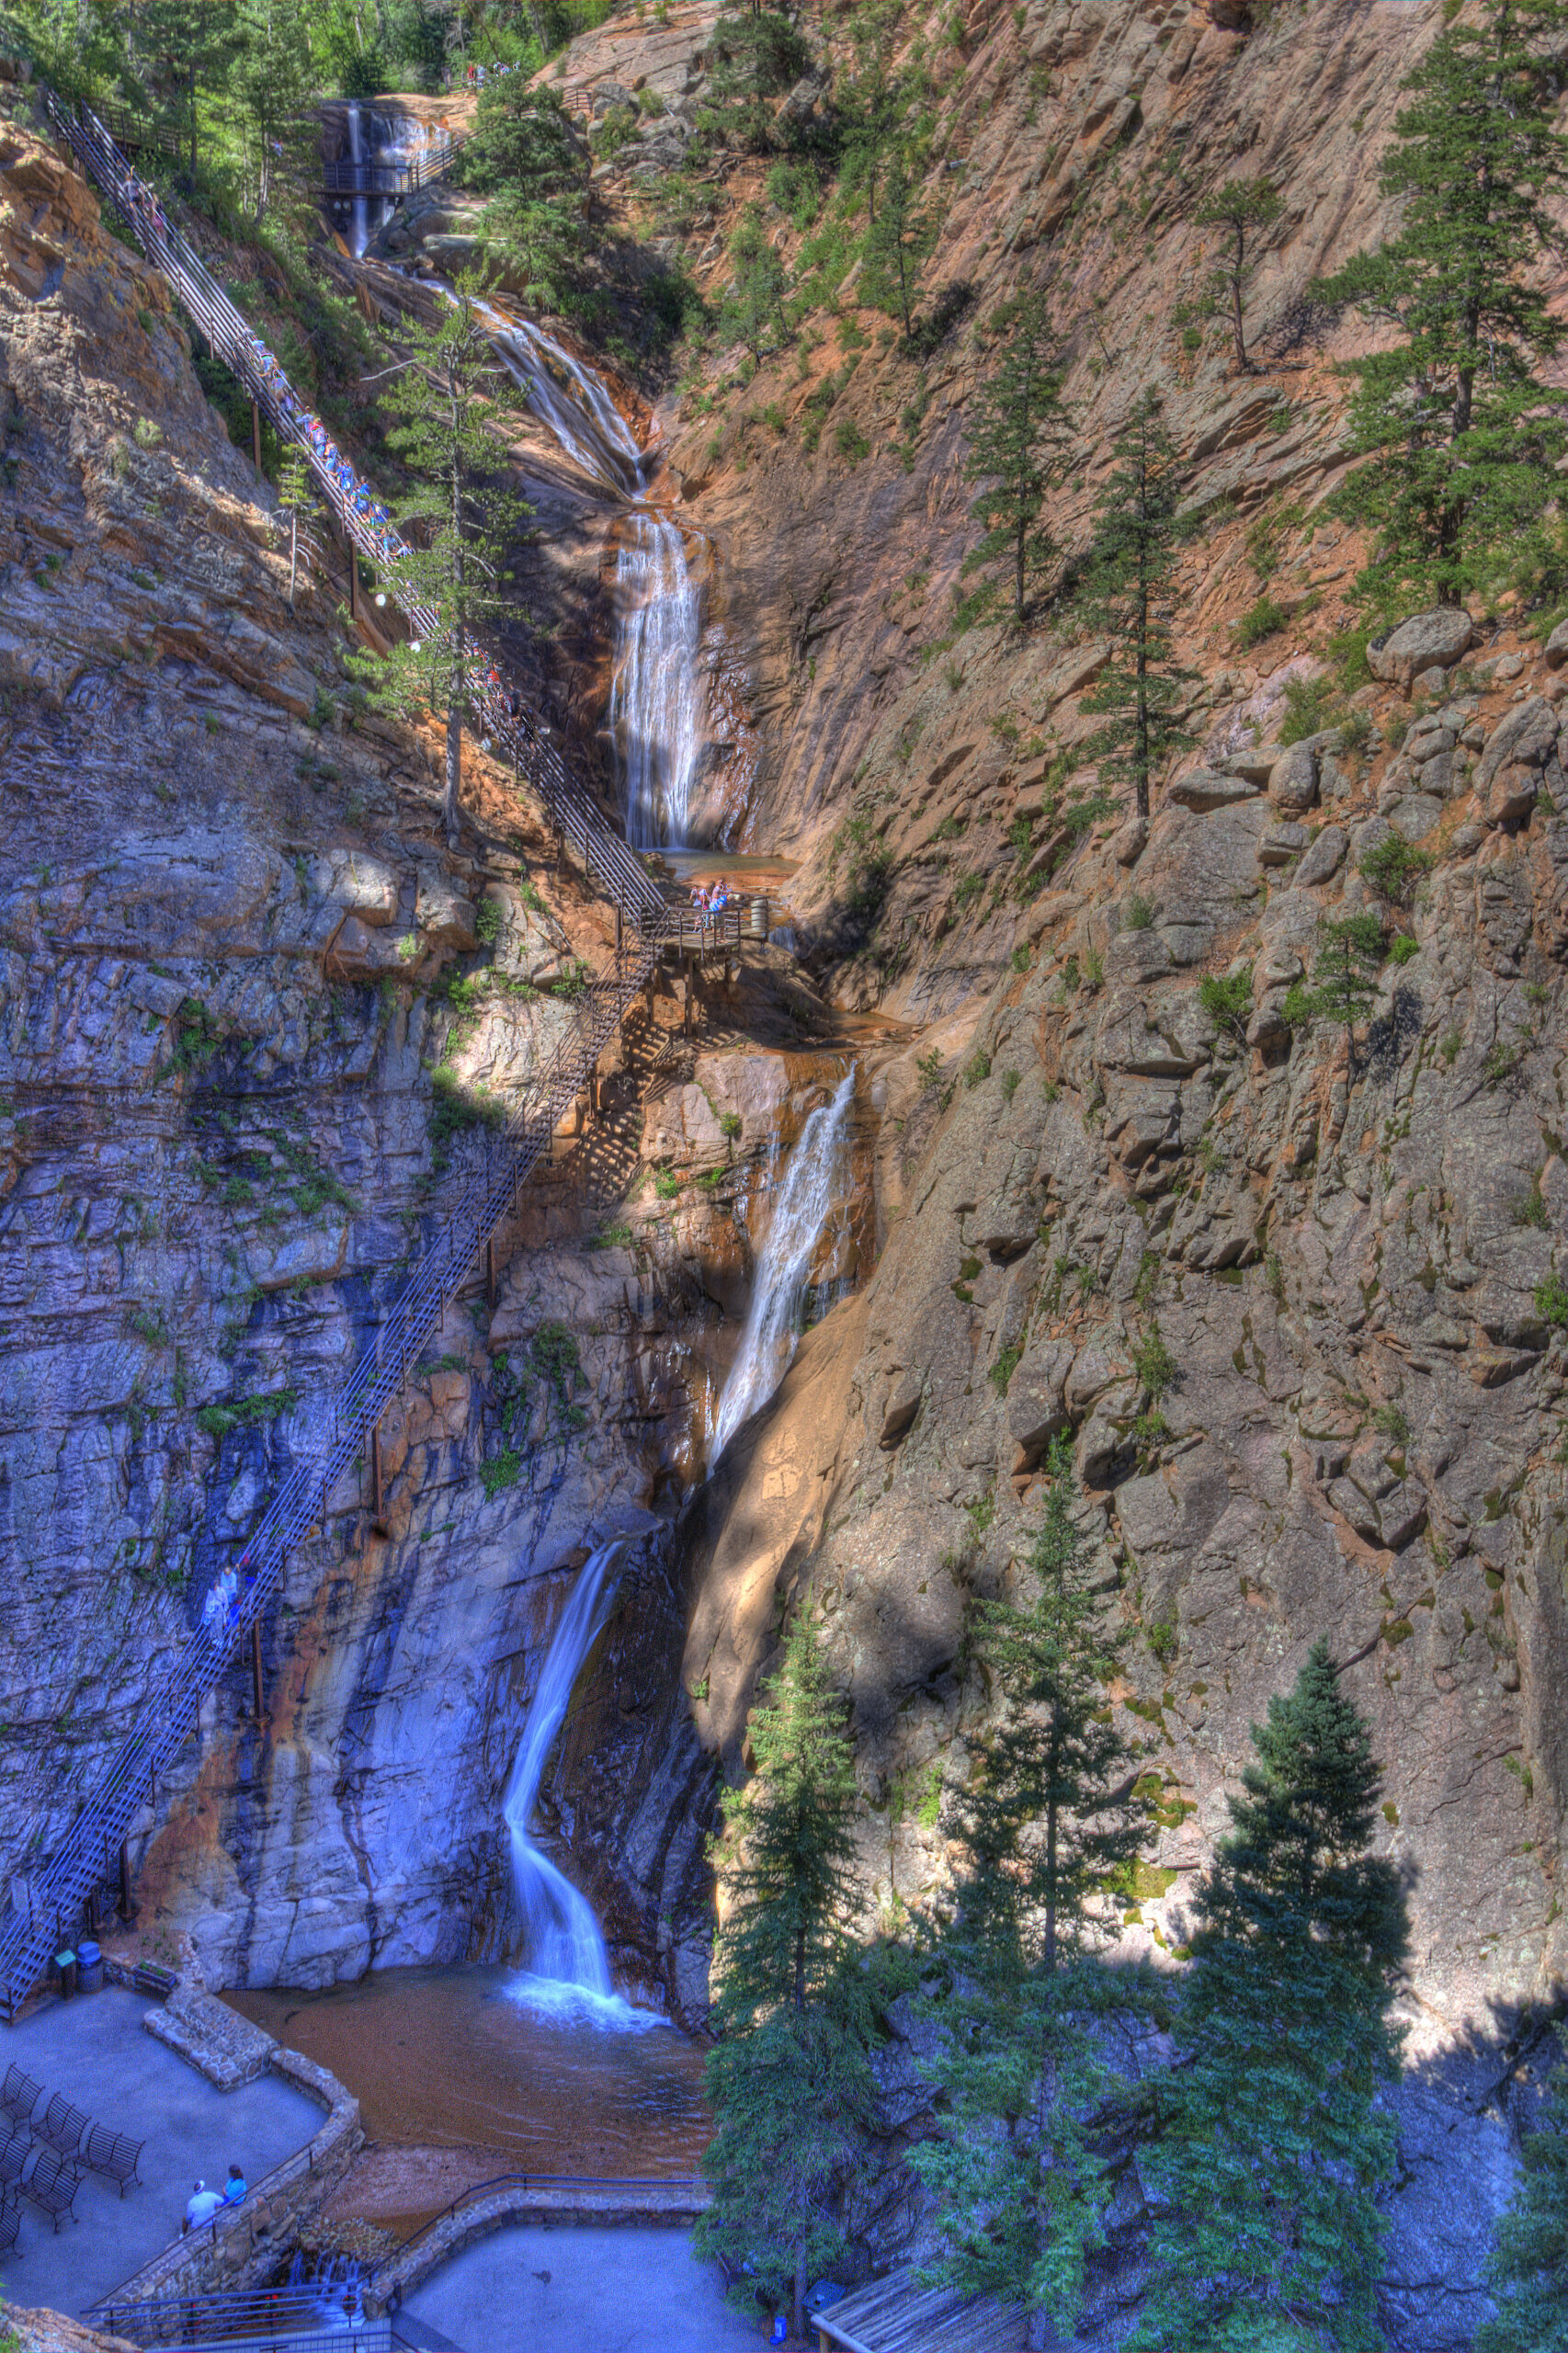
(1345, 978)
(269, 89)
(1018, 438)
(1238, 207)
(1137, 532)
(753, 306)
(1050, 1829)
(1529, 2270)
(524, 158)
(296, 499)
(457, 521)
(191, 45)
(1460, 434)
(899, 244)
(790, 2080)
(756, 57)
(1272, 2152)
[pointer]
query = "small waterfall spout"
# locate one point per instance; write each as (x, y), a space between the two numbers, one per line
(800, 1209)
(568, 1970)
(361, 234)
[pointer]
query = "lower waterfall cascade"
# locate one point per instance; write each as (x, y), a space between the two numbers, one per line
(567, 1970)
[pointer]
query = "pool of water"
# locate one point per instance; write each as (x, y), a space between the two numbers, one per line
(451, 2059)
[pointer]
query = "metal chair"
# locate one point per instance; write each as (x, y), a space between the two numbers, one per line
(51, 2184)
(112, 2153)
(10, 2222)
(18, 2096)
(64, 2127)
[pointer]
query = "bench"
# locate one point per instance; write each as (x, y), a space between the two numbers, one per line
(51, 2184)
(13, 2155)
(10, 2222)
(18, 2096)
(112, 2153)
(63, 2127)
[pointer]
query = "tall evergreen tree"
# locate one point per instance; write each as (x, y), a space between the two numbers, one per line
(1529, 2270)
(1458, 432)
(297, 501)
(1238, 207)
(1269, 2234)
(526, 159)
(1049, 1829)
(789, 2079)
(457, 521)
(269, 89)
(190, 45)
(899, 242)
(756, 57)
(1018, 441)
(1137, 532)
(753, 308)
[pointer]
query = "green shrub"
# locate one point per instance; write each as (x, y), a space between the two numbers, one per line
(930, 1068)
(501, 1471)
(1227, 1002)
(1009, 1084)
(730, 1124)
(1138, 915)
(1530, 1206)
(487, 921)
(1308, 708)
(977, 1067)
(1006, 1364)
(667, 1184)
(1403, 948)
(1552, 1302)
(1156, 1367)
(610, 1237)
(849, 442)
(147, 433)
(1020, 959)
(1266, 618)
(1395, 867)
(1160, 1633)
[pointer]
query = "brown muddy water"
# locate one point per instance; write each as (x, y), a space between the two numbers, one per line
(457, 2081)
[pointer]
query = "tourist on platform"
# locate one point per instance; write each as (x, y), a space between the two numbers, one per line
(235, 2189)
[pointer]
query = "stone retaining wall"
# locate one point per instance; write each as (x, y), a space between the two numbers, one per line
(679, 2203)
(240, 2246)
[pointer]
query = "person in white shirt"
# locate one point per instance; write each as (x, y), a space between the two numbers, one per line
(202, 2205)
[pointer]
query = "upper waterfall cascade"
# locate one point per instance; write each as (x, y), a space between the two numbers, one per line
(658, 699)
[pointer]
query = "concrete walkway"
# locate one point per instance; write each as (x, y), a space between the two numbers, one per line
(581, 2290)
(95, 2051)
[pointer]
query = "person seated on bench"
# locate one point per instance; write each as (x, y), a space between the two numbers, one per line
(235, 2189)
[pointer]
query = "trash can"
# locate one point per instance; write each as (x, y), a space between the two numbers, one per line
(65, 1969)
(89, 1968)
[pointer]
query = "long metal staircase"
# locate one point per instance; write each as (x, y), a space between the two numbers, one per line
(45, 1904)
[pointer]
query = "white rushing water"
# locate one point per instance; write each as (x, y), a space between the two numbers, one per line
(567, 1973)
(814, 1183)
(361, 237)
(658, 702)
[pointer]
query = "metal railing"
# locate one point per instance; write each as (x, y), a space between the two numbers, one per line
(46, 1904)
(343, 176)
(524, 2186)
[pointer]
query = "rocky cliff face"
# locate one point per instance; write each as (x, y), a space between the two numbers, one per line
(222, 989)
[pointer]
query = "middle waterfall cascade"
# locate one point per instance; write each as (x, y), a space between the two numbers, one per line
(802, 1206)
(658, 702)
(568, 1969)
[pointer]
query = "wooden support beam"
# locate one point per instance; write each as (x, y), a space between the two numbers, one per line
(376, 1474)
(127, 1909)
(353, 583)
(255, 1665)
(255, 433)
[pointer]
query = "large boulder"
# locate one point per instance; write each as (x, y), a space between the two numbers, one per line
(1293, 780)
(1427, 641)
(1205, 788)
(1511, 768)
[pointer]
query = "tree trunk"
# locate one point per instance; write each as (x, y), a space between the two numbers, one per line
(190, 83)
(450, 804)
(293, 553)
